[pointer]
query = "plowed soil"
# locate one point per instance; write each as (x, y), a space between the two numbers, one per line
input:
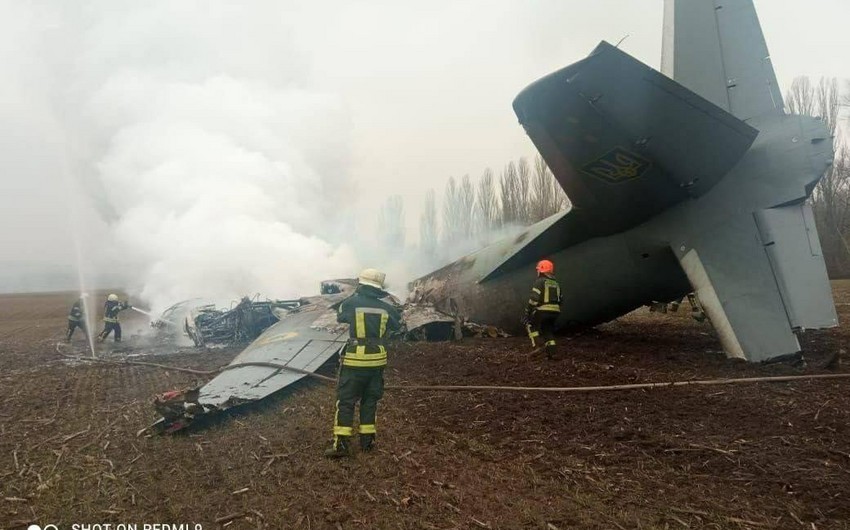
(767, 455)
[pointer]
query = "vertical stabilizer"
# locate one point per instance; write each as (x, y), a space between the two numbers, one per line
(717, 49)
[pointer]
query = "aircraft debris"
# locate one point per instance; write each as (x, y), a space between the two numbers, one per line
(208, 325)
(173, 318)
(697, 312)
(304, 336)
(177, 408)
(424, 322)
(473, 329)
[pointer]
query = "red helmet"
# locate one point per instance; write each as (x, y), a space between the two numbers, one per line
(545, 267)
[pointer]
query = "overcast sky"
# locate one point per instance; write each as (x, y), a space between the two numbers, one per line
(399, 96)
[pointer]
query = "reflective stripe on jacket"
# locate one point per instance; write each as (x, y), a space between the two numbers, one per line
(545, 295)
(369, 320)
(111, 309)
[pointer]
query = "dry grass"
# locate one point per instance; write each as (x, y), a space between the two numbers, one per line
(761, 456)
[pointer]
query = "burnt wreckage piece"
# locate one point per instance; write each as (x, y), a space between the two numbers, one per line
(207, 325)
(306, 336)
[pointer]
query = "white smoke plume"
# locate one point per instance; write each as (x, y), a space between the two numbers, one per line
(213, 190)
(217, 167)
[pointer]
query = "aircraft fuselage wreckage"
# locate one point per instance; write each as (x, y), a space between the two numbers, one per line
(694, 180)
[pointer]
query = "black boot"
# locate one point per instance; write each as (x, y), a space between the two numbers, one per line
(341, 448)
(550, 351)
(367, 442)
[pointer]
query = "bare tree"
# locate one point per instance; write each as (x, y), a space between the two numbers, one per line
(466, 218)
(800, 98)
(831, 204)
(831, 198)
(452, 216)
(391, 223)
(509, 191)
(486, 207)
(845, 100)
(523, 188)
(428, 226)
(833, 192)
(547, 197)
(827, 102)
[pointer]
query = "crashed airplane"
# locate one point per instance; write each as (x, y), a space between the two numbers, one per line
(694, 180)
(306, 336)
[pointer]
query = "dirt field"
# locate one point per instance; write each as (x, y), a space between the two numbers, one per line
(745, 456)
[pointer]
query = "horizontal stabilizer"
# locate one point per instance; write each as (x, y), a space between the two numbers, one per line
(626, 142)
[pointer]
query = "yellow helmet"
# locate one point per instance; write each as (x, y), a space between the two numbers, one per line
(112, 298)
(372, 277)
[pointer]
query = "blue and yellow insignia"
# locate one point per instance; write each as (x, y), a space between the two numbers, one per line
(617, 165)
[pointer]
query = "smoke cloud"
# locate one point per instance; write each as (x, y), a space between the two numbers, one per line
(214, 188)
(216, 166)
(215, 148)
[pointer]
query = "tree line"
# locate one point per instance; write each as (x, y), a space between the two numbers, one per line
(831, 198)
(474, 212)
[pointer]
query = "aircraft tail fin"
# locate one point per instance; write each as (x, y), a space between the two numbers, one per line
(624, 141)
(716, 48)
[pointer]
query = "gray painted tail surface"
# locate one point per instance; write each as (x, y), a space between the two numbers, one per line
(716, 48)
(760, 278)
(790, 239)
(732, 276)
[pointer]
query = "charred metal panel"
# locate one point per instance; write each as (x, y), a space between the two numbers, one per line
(424, 322)
(600, 279)
(304, 339)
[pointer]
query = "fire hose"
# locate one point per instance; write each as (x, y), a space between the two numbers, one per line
(496, 388)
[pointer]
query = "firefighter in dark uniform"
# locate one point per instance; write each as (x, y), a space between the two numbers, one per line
(361, 374)
(110, 317)
(77, 318)
(544, 307)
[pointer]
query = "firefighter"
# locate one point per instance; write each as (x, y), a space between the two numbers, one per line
(361, 373)
(110, 317)
(544, 307)
(77, 318)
